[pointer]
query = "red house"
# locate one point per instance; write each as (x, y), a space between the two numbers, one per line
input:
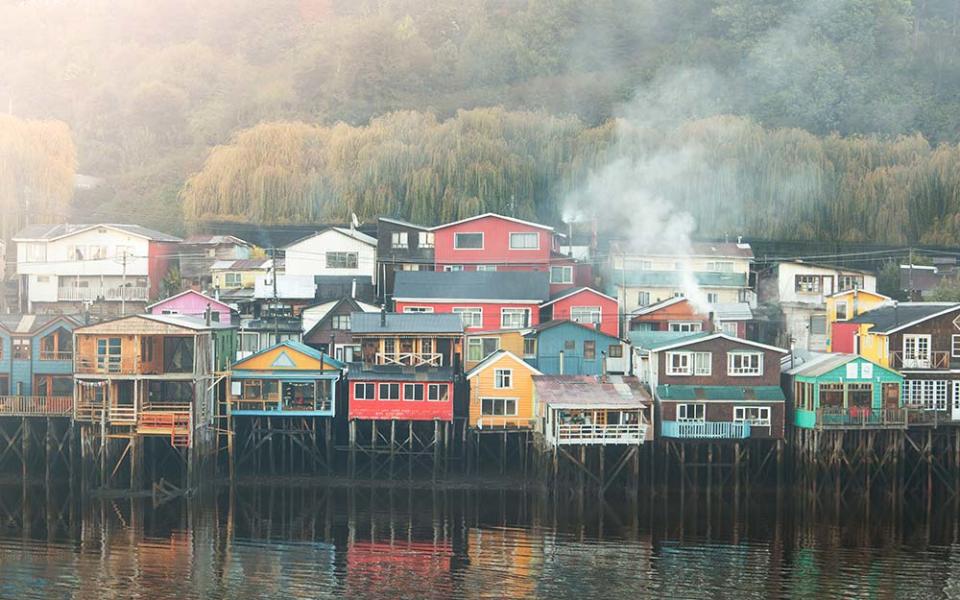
(586, 306)
(409, 363)
(485, 300)
(680, 315)
(491, 242)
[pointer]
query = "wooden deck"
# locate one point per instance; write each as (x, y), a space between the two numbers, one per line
(36, 406)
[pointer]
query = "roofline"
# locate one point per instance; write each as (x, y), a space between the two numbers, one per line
(157, 319)
(483, 364)
(714, 336)
(34, 330)
(474, 300)
(646, 310)
(577, 291)
(286, 343)
(948, 310)
(825, 266)
(331, 228)
(909, 266)
(540, 327)
(491, 214)
(859, 291)
(404, 223)
(212, 299)
(112, 226)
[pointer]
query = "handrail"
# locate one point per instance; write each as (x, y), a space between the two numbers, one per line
(42, 406)
(56, 354)
(939, 359)
(77, 294)
(705, 429)
(410, 359)
(862, 418)
(492, 422)
(582, 433)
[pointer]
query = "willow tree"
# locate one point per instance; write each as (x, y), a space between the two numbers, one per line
(37, 170)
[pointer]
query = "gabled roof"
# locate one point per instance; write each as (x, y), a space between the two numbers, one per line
(404, 223)
(47, 233)
(651, 340)
(554, 323)
(345, 231)
(192, 293)
(494, 357)
(493, 286)
(825, 363)
(652, 308)
(893, 318)
(496, 216)
(585, 391)
(770, 393)
(243, 264)
(210, 239)
(858, 291)
(176, 321)
(296, 347)
(713, 336)
(30, 324)
(568, 293)
(362, 322)
(325, 308)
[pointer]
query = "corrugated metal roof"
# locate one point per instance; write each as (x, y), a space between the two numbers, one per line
(243, 264)
(822, 364)
(213, 240)
(472, 285)
(359, 372)
(888, 318)
(52, 232)
(364, 322)
(651, 340)
(584, 391)
(769, 393)
(699, 249)
(732, 311)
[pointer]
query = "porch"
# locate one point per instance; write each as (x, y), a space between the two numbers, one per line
(261, 396)
(36, 406)
(596, 426)
(862, 418)
(95, 293)
(705, 430)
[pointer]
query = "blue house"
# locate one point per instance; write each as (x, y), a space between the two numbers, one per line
(36, 357)
(562, 347)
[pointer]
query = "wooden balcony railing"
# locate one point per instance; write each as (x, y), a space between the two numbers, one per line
(410, 359)
(703, 430)
(911, 360)
(121, 415)
(491, 422)
(90, 294)
(862, 418)
(56, 355)
(578, 433)
(106, 364)
(36, 406)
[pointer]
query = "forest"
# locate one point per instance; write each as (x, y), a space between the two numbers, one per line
(794, 119)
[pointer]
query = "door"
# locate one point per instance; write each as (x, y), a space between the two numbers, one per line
(891, 395)
(955, 402)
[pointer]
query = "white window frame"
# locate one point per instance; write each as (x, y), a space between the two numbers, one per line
(702, 364)
(533, 343)
(503, 379)
(684, 366)
(685, 326)
(485, 268)
(364, 385)
(452, 268)
(590, 310)
(524, 233)
(413, 387)
(931, 394)
(921, 360)
(512, 311)
(506, 402)
(845, 315)
(380, 395)
(333, 257)
(566, 274)
(475, 312)
(730, 328)
(456, 240)
(232, 279)
(425, 239)
(713, 297)
(720, 266)
(955, 346)
(741, 371)
(479, 340)
(399, 240)
(740, 415)
(683, 411)
(438, 392)
(643, 298)
(418, 309)
(336, 320)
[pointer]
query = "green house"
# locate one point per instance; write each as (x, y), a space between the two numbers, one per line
(845, 391)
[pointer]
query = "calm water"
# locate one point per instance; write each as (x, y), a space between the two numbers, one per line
(280, 541)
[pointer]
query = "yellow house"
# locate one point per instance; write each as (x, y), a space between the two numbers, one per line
(501, 392)
(235, 274)
(848, 304)
(480, 344)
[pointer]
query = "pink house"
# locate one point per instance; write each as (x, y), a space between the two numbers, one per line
(585, 306)
(193, 304)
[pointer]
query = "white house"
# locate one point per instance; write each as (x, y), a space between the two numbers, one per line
(801, 290)
(333, 251)
(113, 267)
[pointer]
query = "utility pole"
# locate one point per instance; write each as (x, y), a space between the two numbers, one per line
(276, 299)
(123, 284)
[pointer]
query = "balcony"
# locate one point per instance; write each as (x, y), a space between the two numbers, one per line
(862, 418)
(499, 423)
(36, 406)
(588, 434)
(56, 355)
(705, 430)
(410, 359)
(113, 294)
(912, 360)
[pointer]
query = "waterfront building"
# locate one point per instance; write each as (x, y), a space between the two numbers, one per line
(569, 348)
(480, 344)
(36, 364)
(327, 327)
(198, 253)
(585, 306)
(333, 251)
(501, 392)
(844, 306)
(679, 314)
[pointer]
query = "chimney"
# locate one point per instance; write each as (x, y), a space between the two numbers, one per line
(383, 317)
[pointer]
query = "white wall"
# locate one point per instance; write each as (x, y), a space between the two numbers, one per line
(786, 283)
(59, 260)
(308, 257)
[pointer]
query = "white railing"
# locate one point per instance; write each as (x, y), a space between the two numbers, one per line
(81, 294)
(631, 433)
(705, 429)
(410, 359)
(491, 422)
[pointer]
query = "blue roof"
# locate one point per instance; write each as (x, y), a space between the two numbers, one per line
(651, 340)
(301, 348)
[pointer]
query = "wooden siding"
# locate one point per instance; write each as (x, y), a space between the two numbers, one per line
(609, 309)
(722, 412)
(401, 410)
(491, 316)
(483, 385)
(719, 347)
(512, 341)
(552, 341)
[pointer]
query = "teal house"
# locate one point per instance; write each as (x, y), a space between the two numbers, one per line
(845, 391)
(562, 347)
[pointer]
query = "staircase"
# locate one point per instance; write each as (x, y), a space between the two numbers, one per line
(178, 425)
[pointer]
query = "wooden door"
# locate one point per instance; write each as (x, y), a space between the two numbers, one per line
(891, 395)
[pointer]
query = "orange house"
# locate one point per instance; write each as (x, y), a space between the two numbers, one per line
(501, 392)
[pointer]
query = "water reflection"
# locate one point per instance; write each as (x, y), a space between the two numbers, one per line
(285, 541)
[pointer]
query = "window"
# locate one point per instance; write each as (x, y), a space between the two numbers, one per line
(498, 407)
(426, 345)
(503, 379)
(818, 325)
(744, 363)
(755, 415)
(850, 282)
(702, 363)
(249, 342)
(146, 349)
(232, 279)
(389, 391)
(413, 391)
(955, 345)
(841, 311)
(342, 260)
(449, 268)
(108, 354)
(486, 267)
(585, 314)
(569, 345)
(169, 311)
(529, 346)
(524, 241)
(589, 350)
(615, 351)
(21, 349)
(363, 391)
(723, 266)
(398, 240)
(643, 298)
(925, 393)
(43, 279)
(36, 252)
(713, 297)
(341, 322)
(561, 274)
(468, 241)
(808, 284)
(514, 318)
(425, 239)
(729, 328)
(691, 412)
(437, 392)
(389, 346)
(678, 363)
(471, 316)
(643, 265)
(686, 326)
(418, 309)
(480, 348)
(916, 351)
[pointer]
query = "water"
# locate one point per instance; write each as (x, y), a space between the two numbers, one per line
(287, 541)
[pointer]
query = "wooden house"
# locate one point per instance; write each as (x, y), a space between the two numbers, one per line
(274, 325)
(845, 391)
(486, 300)
(36, 365)
(194, 304)
(151, 374)
(713, 386)
(287, 379)
(401, 246)
(481, 344)
(585, 306)
(326, 327)
(921, 340)
(568, 348)
(197, 254)
(844, 306)
(501, 392)
(584, 410)
(408, 366)
(332, 251)
(679, 314)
